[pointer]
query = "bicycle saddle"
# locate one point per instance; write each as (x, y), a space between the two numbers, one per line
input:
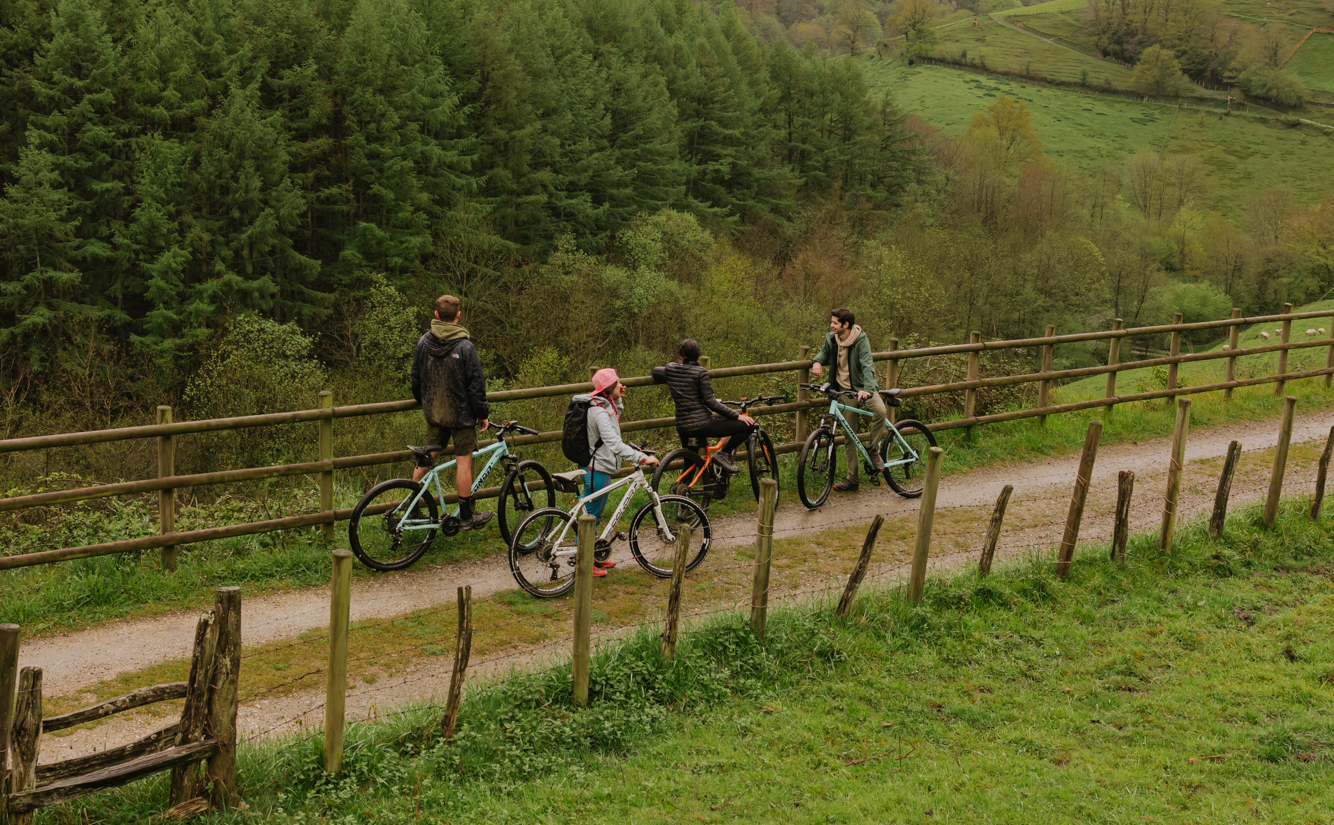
(568, 482)
(424, 453)
(891, 397)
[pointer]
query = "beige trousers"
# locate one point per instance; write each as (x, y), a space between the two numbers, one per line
(879, 432)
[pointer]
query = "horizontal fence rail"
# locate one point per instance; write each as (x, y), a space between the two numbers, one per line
(167, 484)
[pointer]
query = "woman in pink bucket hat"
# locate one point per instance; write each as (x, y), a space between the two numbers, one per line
(604, 440)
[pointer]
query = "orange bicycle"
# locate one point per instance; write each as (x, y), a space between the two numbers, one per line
(687, 472)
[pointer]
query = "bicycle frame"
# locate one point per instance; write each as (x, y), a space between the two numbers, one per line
(498, 451)
(836, 411)
(709, 450)
(633, 482)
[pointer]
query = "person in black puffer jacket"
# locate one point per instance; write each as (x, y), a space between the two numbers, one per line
(447, 381)
(692, 391)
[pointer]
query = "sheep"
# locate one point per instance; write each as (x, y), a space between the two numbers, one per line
(1264, 335)
(1278, 331)
(1321, 330)
(1310, 332)
(1226, 348)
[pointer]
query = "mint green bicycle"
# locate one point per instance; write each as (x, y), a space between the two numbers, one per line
(904, 451)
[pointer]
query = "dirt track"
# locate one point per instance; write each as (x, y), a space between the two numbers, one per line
(74, 660)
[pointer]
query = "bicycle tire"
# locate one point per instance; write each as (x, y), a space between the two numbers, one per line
(532, 555)
(374, 538)
(816, 467)
(762, 461)
(518, 498)
(656, 553)
(668, 482)
(907, 479)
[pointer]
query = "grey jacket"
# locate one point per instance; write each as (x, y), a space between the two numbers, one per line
(604, 424)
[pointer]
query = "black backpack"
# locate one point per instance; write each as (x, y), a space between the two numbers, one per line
(574, 434)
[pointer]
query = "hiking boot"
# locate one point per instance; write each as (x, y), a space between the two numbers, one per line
(724, 461)
(476, 521)
(847, 485)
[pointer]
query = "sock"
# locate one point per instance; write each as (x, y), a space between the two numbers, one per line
(465, 508)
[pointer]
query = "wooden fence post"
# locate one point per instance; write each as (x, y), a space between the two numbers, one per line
(1280, 461)
(462, 653)
(803, 395)
(974, 370)
(166, 499)
(764, 551)
(223, 698)
(583, 607)
(26, 736)
(1233, 341)
(9, 671)
(1044, 386)
(892, 378)
(993, 530)
(1125, 488)
(674, 594)
(1284, 337)
(1320, 474)
(1174, 470)
(1329, 355)
(859, 572)
(1173, 350)
(1073, 518)
(335, 688)
(926, 518)
(1113, 358)
(1219, 517)
(184, 784)
(327, 476)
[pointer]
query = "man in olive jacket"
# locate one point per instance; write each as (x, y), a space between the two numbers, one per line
(447, 381)
(847, 353)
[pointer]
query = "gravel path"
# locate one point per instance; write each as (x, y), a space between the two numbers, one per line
(73, 660)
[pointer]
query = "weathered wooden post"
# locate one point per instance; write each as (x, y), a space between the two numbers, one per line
(859, 572)
(26, 737)
(1219, 517)
(583, 607)
(166, 499)
(993, 530)
(335, 689)
(326, 454)
(1321, 472)
(1113, 359)
(1044, 386)
(674, 594)
(1280, 461)
(892, 376)
(1174, 470)
(223, 698)
(1174, 350)
(462, 652)
(1233, 341)
(764, 551)
(1125, 488)
(926, 519)
(1070, 538)
(194, 716)
(1329, 355)
(9, 671)
(1284, 337)
(803, 394)
(974, 370)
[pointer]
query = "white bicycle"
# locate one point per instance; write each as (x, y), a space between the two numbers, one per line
(542, 550)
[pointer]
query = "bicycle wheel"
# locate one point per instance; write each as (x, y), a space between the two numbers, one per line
(907, 479)
(676, 481)
(655, 549)
(542, 553)
(816, 467)
(763, 461)
(527, 487)
(374, 531)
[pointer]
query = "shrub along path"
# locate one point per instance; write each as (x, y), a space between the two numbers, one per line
(812, 549)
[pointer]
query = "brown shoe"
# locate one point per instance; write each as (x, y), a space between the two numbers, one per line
(847, 485)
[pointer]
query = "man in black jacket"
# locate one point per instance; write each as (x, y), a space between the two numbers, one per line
(691, 389)
(447, 381)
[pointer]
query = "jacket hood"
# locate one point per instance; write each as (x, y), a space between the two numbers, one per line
(443, 337)
(852, 338)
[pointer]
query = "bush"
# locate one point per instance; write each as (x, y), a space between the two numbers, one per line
(1283, 88)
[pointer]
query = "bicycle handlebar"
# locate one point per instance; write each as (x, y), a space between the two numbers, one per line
(514, 426)
(746, 403)
(827, 389)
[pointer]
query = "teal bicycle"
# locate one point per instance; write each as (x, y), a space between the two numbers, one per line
(903, 452)
(396, 521)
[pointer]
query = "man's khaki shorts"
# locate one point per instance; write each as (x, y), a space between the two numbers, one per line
(465, 439)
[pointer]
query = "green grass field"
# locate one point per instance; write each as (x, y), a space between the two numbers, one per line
(1314, 64)
(1004, 48)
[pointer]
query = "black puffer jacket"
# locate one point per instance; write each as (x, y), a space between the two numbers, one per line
(692, 391)
(447, 378)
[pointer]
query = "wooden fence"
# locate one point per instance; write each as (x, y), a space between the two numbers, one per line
(205, 734)
(325, 414)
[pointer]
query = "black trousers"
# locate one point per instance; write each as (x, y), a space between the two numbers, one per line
(718, 428)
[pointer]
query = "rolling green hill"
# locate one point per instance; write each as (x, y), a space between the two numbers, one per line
(1314, 64)
(1003, 47)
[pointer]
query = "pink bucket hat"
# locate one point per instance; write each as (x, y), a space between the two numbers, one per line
(604, 378)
